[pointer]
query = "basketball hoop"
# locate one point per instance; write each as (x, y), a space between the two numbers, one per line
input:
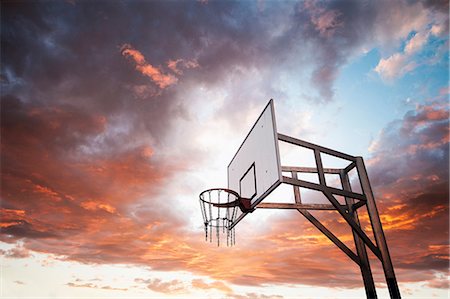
(256, 170)
(219, 209)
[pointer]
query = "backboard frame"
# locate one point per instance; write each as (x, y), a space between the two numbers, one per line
(278, 180)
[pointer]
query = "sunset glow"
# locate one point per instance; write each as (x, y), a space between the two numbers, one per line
(115, 115)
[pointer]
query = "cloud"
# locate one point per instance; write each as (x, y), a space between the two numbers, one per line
(326, 21)
(394, 66)
(78, 195)
(334, 32)
(409, 170)
(154, 73)
(440, 282)
(82, 285)
(416, 43)
(219, 285)
(255, 296)
(400, 64)
(178, 287)
(403, 62)
(174, 286)
(310, 39)
(93, 286)
(92, 205)
(17, 252)
(24, 229)
(174, 65)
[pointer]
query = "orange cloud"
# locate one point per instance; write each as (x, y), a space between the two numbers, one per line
(325, 21)
(47, 192)
(11, 217)
(112, 199)
(219, 285)
(167, 287)
(174, 65)
(155, 73)
(145, 68)
(93, 205)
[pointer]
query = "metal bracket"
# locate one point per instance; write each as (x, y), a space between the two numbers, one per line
(245, 205)
(353, 201)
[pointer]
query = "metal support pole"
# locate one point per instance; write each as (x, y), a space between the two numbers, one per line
(366, 272)
(297, 195)
(378, 230)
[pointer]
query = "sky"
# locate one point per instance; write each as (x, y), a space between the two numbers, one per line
(115, 115)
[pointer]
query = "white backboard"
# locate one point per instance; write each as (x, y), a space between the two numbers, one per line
(255, 169)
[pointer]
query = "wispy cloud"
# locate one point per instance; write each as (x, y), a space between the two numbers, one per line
(174, 286)
(401, 63)
(254, 296)
(219, 285)
(154, 73)
(91, 285)
(177, 65)
(416, 34)
(17, 252)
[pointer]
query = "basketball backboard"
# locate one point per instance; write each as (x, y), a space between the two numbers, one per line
(255, 169)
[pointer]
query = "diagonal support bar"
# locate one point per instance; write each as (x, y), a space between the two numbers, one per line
(353, 224)
(330, 236)
(358, 205)
(349, 167)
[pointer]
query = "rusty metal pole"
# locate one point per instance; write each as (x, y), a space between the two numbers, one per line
(378, 230)
(366, 272)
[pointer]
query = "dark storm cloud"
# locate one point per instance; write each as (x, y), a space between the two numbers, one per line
(25, 230)
(411, 176)
(71, 53)
(417, 146)
(441, 5)
(58, 53)
(72, 50)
